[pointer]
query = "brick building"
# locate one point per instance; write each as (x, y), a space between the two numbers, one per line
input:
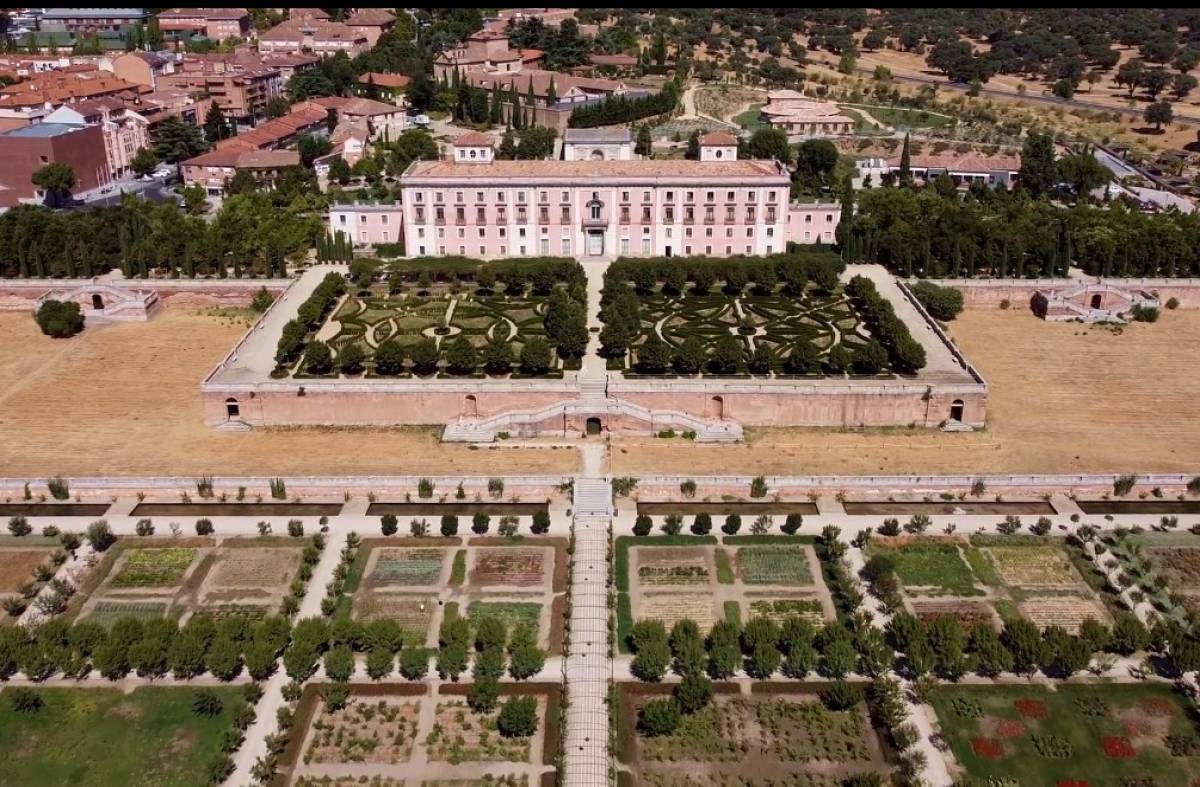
(215, 23)
(23, 151)
(212, 170)
(241, 90)
(90, 20)
(125, 132)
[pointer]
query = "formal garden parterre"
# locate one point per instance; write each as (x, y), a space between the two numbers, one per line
(785, 314)
(439, 317)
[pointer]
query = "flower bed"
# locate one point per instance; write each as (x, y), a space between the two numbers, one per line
(154, 567)
(1031, 709)
(987, 748)
(1117, 747)
(408, 567)
(774, 565)
(508, 566)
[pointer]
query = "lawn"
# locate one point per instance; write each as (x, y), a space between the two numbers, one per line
(934, 567)
(1094, 735)
(750, 119)
(103, 737)
(899, 117)
(146, 568)
(774, 565)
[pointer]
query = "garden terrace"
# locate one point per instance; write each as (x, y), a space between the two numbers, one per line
(422, 581)
(948, 508)
(106, 736)
(777, 734)
(1139, 506)
(1094, 734)
(202, 509)
(392, 732)
(20, 560)
(670, 578)
(1165, 567)
(725, 508)
(450, 318)
(153, 578)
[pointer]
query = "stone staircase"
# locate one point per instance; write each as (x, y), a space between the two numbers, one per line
(587, 668)
(593, 387)
(484, 430)
(233, 425)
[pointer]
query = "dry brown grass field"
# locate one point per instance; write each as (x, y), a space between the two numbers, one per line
(124, 399)
(1064, 398)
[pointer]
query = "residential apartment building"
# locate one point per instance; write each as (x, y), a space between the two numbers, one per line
(76, 83)
(90, 20)
(383, 120)
(313, 36)
(23, 151)
(367, 225)
(383, 86)
(241, 91)
(476, 206)
(139, 68)
(215, 23)
(125, 132)
(212, 170)
(372, 23)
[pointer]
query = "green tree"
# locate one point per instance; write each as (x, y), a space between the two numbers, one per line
(645, 144)
(693, 693)
(57, 180)
(659, 717)
(144, 162)
(905, 162)
(518, 717)
(535, 356)
(1039, 172)
(652, 653)
(1158, 113)
(278, 106)
(216, 127)
(175, 139)
(59, 319)
(461, 357)
(770, 143)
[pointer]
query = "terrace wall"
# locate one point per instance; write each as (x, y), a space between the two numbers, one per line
(22, 294)
(988, 293)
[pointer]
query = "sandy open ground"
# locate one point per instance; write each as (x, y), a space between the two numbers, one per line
(1064, 398)
(124, 399)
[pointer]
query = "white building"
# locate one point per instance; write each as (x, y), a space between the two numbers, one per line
(598, 144)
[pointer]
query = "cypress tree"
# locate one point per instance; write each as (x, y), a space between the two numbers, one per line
(495, 111)
(905, 163)
(551, 93)
(845, 228)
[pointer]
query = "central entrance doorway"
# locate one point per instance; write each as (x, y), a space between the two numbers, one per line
(592, 427)
(595, 243)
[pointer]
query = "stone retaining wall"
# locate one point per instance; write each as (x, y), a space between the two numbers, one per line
(21, 294)
(990, 293)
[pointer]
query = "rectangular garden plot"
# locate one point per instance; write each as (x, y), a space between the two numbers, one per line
(780, 609)
(460, 735)
(510, 613)
(512, 566)
(932, 569)
(413, 613)
(106, 613)
(672, 566)
(153, 568)
(405, 567)
(1068, 611)
(775, 565)
(1097, 735)
(967, 613)
(777, 735)
(671, 608)
(367, 730)
(1033, 566)
(254, 567)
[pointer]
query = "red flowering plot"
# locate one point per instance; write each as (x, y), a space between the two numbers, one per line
(1116, 747)
(1031, 709)
(1157, 706)
(1007, 728)
(988, 748)
(1071, 783)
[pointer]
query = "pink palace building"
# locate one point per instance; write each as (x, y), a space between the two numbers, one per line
(476, 206)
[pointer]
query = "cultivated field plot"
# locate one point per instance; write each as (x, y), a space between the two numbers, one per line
(671, 608)
(413, 613)
(152, 568)
(775, 565)
(1079, 734)
(366, 730)
(931, 568)
(1033, 566)
(510, 613)
(776, 321)
(460, 735)
(405, 567)
(254, 567)
(436, 313)
(104, 736)
(673, 566)
(516, 566)
(786, 737)
(17, 566)
(1067, 611)
(781, 609)
(968, 613)
(1180, 566)
(106, 613)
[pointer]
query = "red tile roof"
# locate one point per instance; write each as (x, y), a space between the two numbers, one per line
(587, 170)
(383, 79)
(371, 17)
(473, 139)
(718, 138)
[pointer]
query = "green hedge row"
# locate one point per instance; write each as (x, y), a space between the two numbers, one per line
(309, 317)
(905, 353)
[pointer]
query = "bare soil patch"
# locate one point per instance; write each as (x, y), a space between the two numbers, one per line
(17, 565)
(141, 413)
(1025, 360)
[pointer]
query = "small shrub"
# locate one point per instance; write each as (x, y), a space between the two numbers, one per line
(687, 488)
(278, 489)
(99, 535)
(890, 527)
(418, 527)
(518, 717)
(388, 524)
(19, 526)
(1143, 313)
(204, 527)
(1123, 485)
(672, 524)
(496, 487)
(144, 527)
(59, 489)
(449, 525)
(509, 525)
(24, 700)
(205, 702)
(59, 319)
(295, 528)
(1172, 303)
(702, 524)
(425, 488)
(733, 523)
(479, 523)
(758, 487)
(659, 717)
(792, 524)
(541, 523)
(643, 525)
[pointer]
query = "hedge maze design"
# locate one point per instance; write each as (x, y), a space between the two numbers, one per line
(779, 321)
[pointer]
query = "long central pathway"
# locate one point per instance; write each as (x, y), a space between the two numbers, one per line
(588, 664)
